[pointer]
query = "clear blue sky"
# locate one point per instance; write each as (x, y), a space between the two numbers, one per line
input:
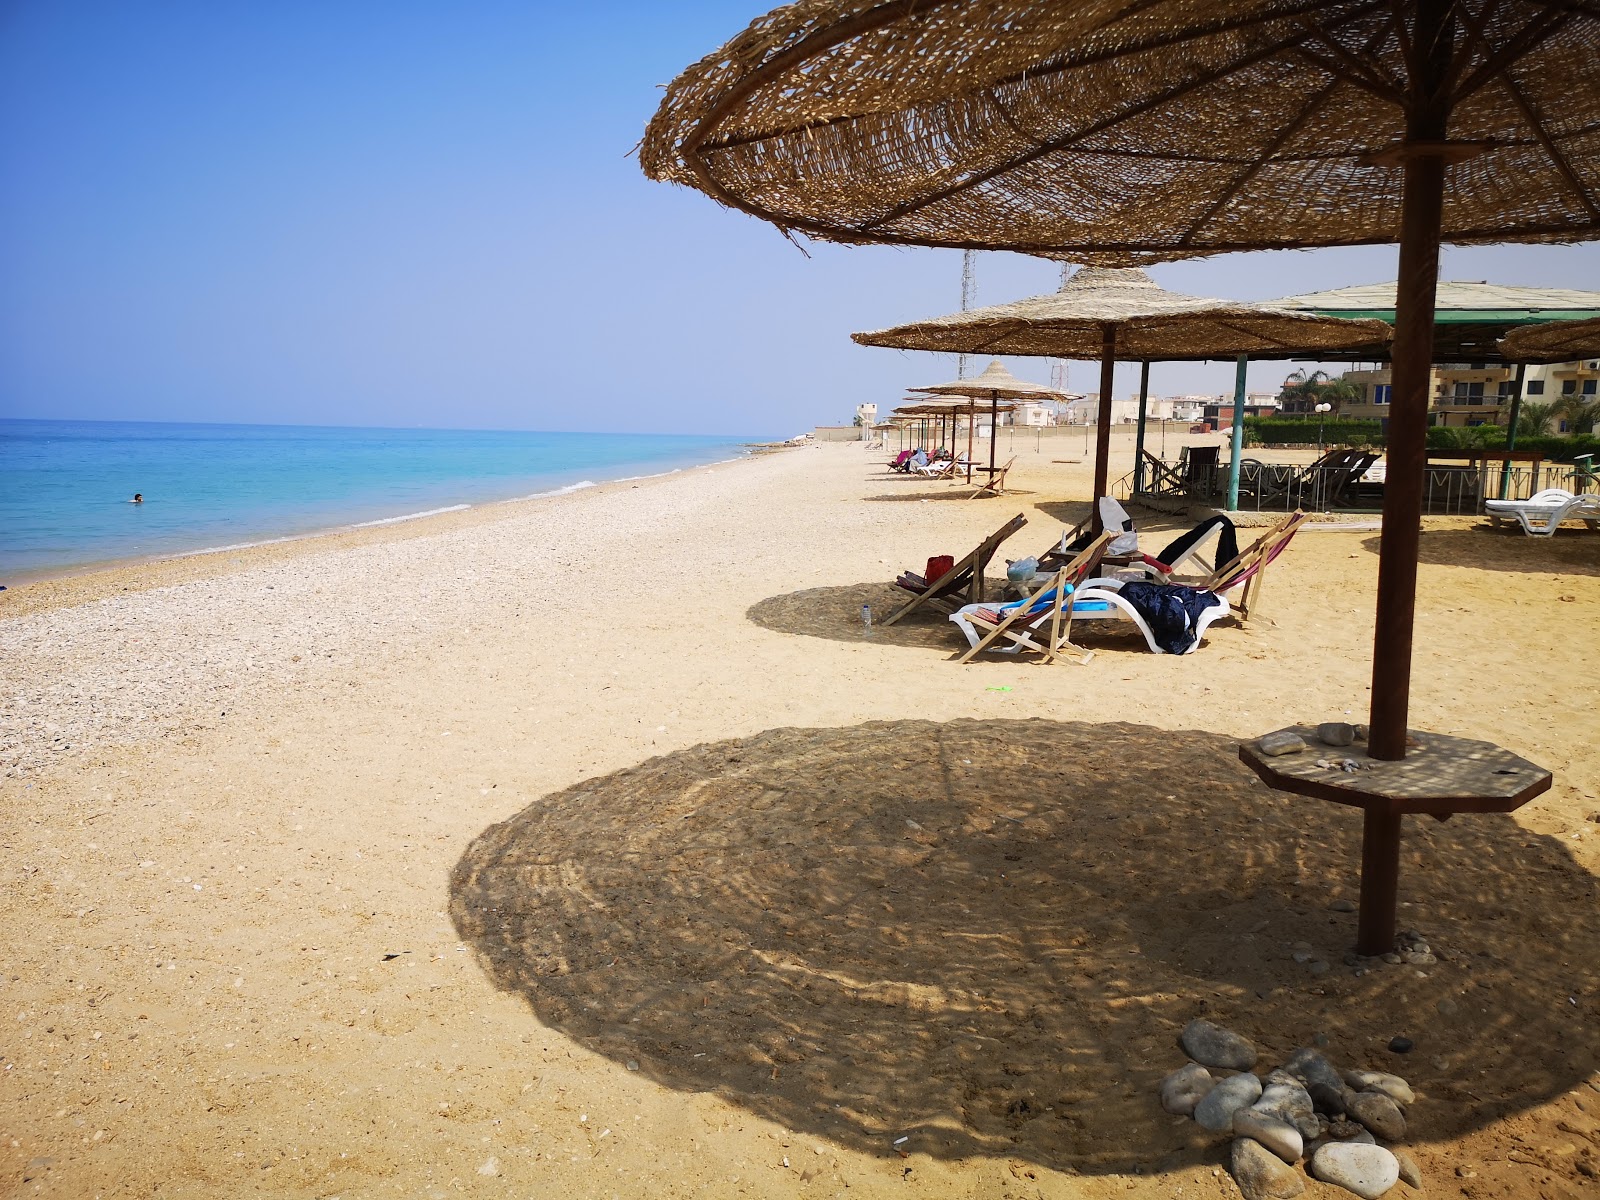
(427, 214)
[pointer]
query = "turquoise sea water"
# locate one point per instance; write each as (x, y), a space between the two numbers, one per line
(66, 486)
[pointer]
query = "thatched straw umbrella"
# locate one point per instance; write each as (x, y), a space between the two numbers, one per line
(994, 382)
(1121, 131)
(954, 407)
(1122, 314)
(1559, 341)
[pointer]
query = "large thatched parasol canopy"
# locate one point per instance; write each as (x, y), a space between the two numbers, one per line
(1558, 341)
(1148, 323)
(1129, 130)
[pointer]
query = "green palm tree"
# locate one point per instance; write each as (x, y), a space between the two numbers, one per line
(1580, 414)
(1534, 418)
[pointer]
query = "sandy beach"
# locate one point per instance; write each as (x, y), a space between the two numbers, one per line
(585, 846)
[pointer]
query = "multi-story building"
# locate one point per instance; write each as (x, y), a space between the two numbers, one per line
(1474, 393)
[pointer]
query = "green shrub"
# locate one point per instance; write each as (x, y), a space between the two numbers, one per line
(1303, 431)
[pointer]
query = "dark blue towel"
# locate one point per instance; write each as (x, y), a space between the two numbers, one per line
(1170, 609)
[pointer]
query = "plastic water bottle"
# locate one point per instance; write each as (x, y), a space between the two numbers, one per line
(866, 620)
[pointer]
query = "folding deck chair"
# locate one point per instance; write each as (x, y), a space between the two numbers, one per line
(1047, 613)
(1249, 566)
(962, 584)
(995, 485)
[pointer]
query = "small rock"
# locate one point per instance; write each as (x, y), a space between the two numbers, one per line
(1361, 732)
(1284, 741)
(1343, 1129)
(1392, 1086)
(1447, 1007)
(1419, 959)
(1322, 1081)
(1215, 1112)
(1342, 906)
(1380, 1114)
(1320, 1040)
(1401, 1045)
(1261, 1175)
(1336, 733)
(1303, 956)
(1184, 1088)
(1319, 967)
(1213, 1046)
(1410, 1173)
(1392, 958)
(1368, 1171)
(1282, 1138)
(1287, 1101)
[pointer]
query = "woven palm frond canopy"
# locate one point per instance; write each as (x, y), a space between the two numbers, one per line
(1132, 130)
(1149, 323)
(1559, 341)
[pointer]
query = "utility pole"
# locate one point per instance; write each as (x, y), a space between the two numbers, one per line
(969, 293)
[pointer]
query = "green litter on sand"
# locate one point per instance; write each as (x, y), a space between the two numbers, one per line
(997, 689)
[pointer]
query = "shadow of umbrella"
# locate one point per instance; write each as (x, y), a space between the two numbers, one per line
(1487, 549)
(985, 936)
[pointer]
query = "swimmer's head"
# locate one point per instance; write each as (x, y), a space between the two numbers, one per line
(138, 497)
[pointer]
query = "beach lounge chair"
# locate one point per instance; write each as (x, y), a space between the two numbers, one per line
(1045, 614)
(1102, 599)
(1542, 513)
(962, 584)
(1248, 568)
(942, 468)
(901, 461)
(1330, 480)
(995, 485)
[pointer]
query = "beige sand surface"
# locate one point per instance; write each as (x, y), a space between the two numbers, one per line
(585, 847)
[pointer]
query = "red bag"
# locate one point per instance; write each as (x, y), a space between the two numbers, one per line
(938, 566)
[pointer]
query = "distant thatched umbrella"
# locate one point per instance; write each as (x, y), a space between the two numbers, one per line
(1558, 341)
(1109, 314)
(994, 382)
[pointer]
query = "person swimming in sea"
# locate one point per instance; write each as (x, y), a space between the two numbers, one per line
(138, 498)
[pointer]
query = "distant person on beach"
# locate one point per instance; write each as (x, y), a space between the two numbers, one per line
(138, 498)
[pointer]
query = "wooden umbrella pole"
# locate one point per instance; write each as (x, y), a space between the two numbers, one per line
(971, 421)
(1102, 433)
(1138, 441)
(1421, 212)
(994, 427)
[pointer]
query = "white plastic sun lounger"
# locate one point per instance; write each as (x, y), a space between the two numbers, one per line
(1097, 600)
(1542, 513)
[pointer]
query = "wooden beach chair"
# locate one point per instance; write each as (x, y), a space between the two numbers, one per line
(995, 485)
(962, 584)
(1046, 613)
(1249, 566)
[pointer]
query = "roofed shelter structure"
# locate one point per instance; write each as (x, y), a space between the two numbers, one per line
(1555, 342)
(1469, 319)
(1126, 131)
(1110, 314)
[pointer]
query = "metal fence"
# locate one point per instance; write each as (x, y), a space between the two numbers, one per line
(1448, 488)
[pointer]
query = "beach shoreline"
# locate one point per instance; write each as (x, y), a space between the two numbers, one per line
(259, 894)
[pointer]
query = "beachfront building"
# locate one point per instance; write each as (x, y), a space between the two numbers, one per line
(1466, 394)
(1218, 411)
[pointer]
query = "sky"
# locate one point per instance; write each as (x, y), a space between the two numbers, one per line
(420, 214)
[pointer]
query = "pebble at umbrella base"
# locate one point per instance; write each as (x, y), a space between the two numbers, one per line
(1128, 131)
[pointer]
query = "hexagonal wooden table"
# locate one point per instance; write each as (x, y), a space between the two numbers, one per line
(1440, 776)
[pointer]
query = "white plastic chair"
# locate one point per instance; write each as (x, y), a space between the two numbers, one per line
(1542, 513)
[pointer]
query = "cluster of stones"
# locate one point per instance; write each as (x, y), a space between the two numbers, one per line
(1329, 733)
(1305, 1110)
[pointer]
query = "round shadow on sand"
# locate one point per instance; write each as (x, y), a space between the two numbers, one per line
(835, 613)
(985, 936)
(1573, 551)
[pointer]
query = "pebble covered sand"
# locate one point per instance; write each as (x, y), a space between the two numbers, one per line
(591, 846)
